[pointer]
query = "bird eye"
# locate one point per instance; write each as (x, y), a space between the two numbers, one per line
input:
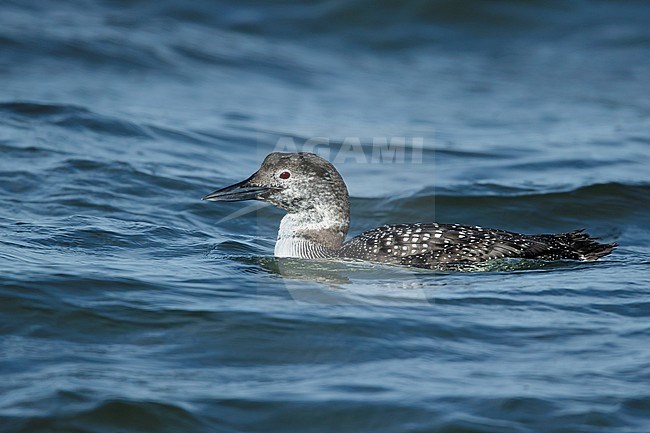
(285, 175)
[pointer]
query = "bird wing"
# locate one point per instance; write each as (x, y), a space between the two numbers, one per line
(424, 244)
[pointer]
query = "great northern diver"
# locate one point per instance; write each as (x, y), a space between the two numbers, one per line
(316, 199)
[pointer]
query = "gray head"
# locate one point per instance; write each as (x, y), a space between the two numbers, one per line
(305, 185)
(295, 182)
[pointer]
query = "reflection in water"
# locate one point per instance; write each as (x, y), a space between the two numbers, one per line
(357, 282)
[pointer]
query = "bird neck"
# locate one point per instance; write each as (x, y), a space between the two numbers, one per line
(317, 232)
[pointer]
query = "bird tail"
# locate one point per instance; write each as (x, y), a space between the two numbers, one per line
(585, 247)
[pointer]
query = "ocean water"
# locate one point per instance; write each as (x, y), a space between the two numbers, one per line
(129, 305)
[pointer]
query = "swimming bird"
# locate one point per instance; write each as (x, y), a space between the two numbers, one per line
(316, 200)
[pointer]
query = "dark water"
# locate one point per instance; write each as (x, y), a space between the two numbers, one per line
(128, 305)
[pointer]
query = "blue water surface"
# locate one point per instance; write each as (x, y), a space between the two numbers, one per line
(129, 305)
